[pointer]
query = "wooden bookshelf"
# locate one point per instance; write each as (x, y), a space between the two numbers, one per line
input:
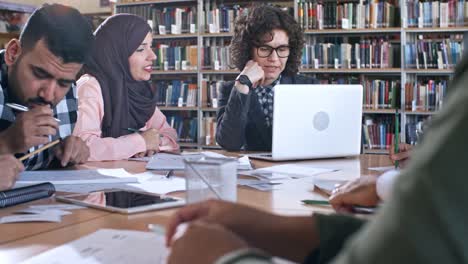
(148, 2)
(437, 30)
(391, 30)
(188, 145)
(209, 109)
(376, 151)
(172, 72)
(430, 71)
(210, 146)
(353, 70)
(219, 72)
(9, 35)
(176, 108)
(425, 113)
(217, 35)
(175, 36)
(396, 34)
(378, 111)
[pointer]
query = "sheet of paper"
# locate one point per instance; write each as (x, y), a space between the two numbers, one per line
(41, 211)
(56, 207)
(385, 168)
(161, 186)
(147, 181)
(87, 188)
(30, 218)
(164, 161)
(327, 186)
(285, 171)
(58, 177)
(108, 246)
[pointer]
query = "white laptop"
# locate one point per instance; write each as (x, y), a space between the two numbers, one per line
(315, 121)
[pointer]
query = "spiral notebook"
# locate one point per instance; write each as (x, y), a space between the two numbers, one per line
(26, 194)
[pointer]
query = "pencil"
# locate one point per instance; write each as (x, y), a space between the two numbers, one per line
(316, 202)
(51, 144)
(397, 136)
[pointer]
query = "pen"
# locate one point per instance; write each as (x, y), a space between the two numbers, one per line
(355, 208)
(134, 130)
(397, 136)
(23, 108)
(316, 202)
(169, 174)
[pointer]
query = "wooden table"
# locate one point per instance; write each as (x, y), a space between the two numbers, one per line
(23, 240)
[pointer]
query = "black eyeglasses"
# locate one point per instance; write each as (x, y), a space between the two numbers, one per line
(265, 51)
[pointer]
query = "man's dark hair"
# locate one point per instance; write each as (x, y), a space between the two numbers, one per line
(65, 31)
(255, 29)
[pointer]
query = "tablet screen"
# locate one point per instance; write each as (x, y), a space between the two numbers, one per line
(122, 199)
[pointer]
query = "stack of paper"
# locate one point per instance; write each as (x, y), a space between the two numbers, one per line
(40, 213)
(85, 181)
(108, 246)
(287, 172)
(164, 161)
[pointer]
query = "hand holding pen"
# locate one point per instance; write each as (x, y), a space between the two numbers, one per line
(152, 141)
(402, 156)
(31, 128)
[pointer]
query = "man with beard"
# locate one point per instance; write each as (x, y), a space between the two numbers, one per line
(39, 71)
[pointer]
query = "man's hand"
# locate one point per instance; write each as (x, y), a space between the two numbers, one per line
(11, 167)
(72, 150)
(30, 129)
(257, 228)
(361, 192)
(238, 218)
(204, 243)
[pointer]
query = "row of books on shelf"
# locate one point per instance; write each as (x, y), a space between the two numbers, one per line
(174, 20)
(414, 129)
(217, 19)
(425, 95)
(144, 11)
(381, 94)
(210, 92)
(318, 14)
(451, 13)
(185, 126)
(216, 58)
(175, 56)
(368, 53)
(208, 131)
(433, 54)
(12, 21)
(176, 93)
(379, 133)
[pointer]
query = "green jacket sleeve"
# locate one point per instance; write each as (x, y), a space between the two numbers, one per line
(426, 219)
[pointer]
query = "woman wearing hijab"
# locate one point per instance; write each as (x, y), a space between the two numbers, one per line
(115, 97)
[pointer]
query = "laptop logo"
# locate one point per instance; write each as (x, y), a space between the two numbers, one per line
(321, 121)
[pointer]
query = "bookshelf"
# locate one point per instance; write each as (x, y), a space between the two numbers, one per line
(412, 47)
(12, 18)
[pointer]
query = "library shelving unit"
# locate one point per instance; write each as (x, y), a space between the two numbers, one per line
(12, 18)
(403, 52)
